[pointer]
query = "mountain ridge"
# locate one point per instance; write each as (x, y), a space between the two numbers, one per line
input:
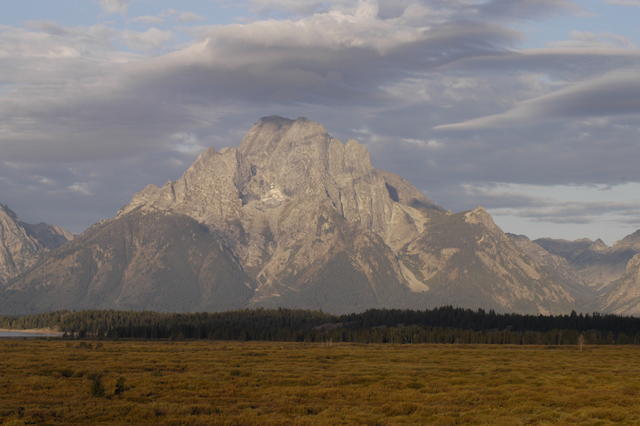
(299, 219)
(22, 244)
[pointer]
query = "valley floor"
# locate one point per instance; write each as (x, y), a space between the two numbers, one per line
(199, 382)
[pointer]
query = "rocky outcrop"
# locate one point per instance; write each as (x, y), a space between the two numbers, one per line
(22, 244)
(298, 219)
(597, 264)
(623, 295)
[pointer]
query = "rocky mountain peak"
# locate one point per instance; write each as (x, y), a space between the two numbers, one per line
(21, 243)
(633, 266)
(631, 241)
(275, 136)
(480, 216)
(294, 217)
(4, 209)
(279, 161)
(599, 245)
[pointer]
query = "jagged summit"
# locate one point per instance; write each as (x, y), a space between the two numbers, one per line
(22, 244)
(6, 210)
(599, 245)
(631, 241)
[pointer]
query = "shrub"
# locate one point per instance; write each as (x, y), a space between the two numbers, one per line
(97, 388)
(120, 386)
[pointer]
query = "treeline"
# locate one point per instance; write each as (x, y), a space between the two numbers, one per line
(440, 325)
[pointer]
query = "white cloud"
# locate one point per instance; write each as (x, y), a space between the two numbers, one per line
(115, 6)
(187, 143)
(81, 188)
(430, 144)
(44, 180)
(153, 38)
(184, 17)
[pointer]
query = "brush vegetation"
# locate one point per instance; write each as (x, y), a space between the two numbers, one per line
(203, 382)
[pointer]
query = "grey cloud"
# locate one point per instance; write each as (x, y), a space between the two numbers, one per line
(613, 94)
(551, 210)
(124, 103)
(302, 7)
(526, 9)
(461, 9)
(581, 213)
(123, 120)
(624, 2)
(190, 17)
(568, 61)
(61, 201)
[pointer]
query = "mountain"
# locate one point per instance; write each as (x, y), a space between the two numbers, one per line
(153, 261)
(597, 264)
(22, 244)
(293, 217)
(622, 296)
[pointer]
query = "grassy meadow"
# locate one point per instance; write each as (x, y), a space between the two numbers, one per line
(204, 382)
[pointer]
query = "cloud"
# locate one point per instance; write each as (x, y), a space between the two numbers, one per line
(624, 2)
(557, 206)
(148, 19)
(81, 188)
(184, 17)
(597, 42)
(190, 17)
(151, 39)
(113, 103)
(615, 93)
(440, 9)
(298, 6)
(78, 106)
(115, 6)
(526, 9)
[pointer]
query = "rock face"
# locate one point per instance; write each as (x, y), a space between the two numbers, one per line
(613, 272)
(622, 296)
(152, 261)
(293, 217)
(595, 262)
(22, 244)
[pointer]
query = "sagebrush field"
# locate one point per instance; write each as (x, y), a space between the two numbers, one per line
(200, 382)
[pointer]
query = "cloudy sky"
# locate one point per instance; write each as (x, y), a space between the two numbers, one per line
(530, 108)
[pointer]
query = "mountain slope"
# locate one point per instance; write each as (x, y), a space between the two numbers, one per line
(21, 244)
(298, 219)
(622, 296)
(156, 262)
(597, 264)
(468, 261)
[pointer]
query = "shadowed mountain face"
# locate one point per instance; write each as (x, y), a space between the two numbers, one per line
(153, 261)
(614, 272)
(596, 263)
(22, 244)
(293, 217)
